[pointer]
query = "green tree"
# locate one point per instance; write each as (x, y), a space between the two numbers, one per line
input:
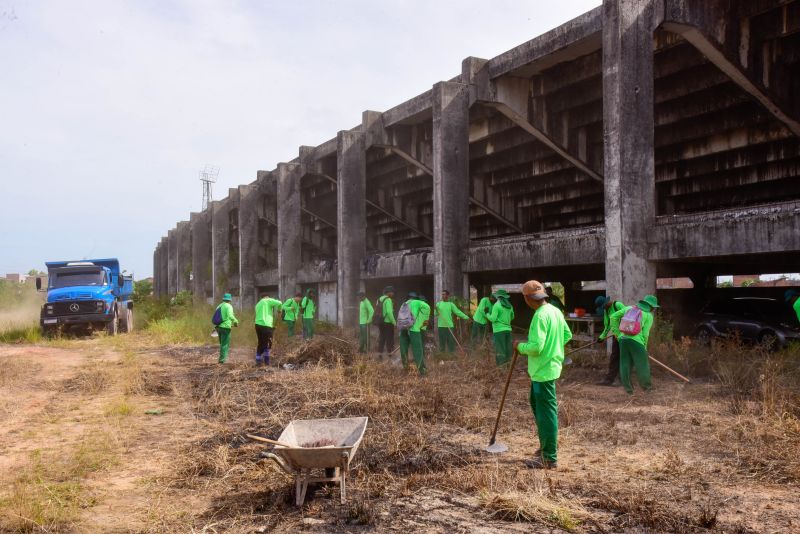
(142, 289)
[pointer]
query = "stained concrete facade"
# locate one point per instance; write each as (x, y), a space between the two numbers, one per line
(644, 138)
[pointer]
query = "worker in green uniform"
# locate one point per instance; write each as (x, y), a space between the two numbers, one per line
(308, 306)
(291, 311)
(417, 334)
(365, 313)
(633, 347)
(445, 311)
(412, 303)
(553, 299)
(501, 316)
(266, 308)
(547, 335)
(478, 333)
(606, 306)
(228, 320)
(387, 322)
(790, 296)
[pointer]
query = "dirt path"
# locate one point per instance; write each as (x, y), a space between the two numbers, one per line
(75, 435)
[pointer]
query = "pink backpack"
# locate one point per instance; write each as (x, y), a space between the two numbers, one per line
(631, 323)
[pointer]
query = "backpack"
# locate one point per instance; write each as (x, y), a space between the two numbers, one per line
(631, 323)
(405, 319)
(216, 319)
(377, 318)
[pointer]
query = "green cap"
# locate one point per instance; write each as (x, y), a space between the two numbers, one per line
(501, 294)
(648, 303)
(227, 297)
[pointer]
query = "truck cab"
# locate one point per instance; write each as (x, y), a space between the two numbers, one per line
(87, 295)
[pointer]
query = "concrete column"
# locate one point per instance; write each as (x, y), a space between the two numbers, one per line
(184, 266)
(156, 278)
(289, 228)
(201, 253)
(172, 262)
(450, 186)
(628, 27)
(163, 268)
(219, 249)
(248, 244)
(351, 183)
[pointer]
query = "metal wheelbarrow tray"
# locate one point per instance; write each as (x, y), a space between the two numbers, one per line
(300, 459)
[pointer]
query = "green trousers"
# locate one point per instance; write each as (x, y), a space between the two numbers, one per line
(363, 338)
(631, 351)
(478, 333)
(545, 411)
(447, 343)
(418, 349)
(289, 327)
(224, 343)
(308, 328)
(405, 343)
(502, 347)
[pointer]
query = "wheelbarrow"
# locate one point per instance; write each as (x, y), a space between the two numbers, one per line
(318, 444)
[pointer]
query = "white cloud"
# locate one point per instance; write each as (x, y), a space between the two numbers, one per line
(110, 108)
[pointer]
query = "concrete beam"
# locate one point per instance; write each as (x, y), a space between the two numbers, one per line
(450, 186)
(628, 27)
(712, 50)
(289, 228)
(351, 186)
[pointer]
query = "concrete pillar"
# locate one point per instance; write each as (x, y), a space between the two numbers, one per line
(172, 262)
(351, 183)
(163, 268)
(201, 253)
(219, 249)
(184, 266)
(156, 278)
(450, 186)
(248, 244)
(628, 27)
(289, 228)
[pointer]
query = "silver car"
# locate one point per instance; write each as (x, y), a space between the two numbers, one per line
(769, 322)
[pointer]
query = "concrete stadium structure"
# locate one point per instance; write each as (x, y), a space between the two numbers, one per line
(643, 139)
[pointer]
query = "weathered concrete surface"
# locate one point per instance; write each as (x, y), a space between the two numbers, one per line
(628, 27)
(220, 210)
(249, 198)
(184, 266)
(289, 228)
(389, 265)
(450, 186)
(164, 267)
(351, 176)
(201, 255)
(172, 262)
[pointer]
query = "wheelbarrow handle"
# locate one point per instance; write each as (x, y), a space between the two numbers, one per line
(272, 441)
(281, 463)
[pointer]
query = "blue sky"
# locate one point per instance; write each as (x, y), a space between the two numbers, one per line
(109, 109)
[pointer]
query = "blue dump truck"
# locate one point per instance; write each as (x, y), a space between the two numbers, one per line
(87, 295)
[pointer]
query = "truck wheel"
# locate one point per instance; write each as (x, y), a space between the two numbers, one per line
(113, 326)
(128, 326)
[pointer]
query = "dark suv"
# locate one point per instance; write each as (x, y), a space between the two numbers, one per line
(769, 322)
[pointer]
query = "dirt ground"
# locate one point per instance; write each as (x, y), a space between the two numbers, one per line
(678, 459)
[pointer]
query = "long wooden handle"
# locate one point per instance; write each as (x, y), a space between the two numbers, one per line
(272, 441)
(673, 371)
(573, 351)
(463, 352)
(503, 400)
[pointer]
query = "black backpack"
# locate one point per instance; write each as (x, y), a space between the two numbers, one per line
(377, 318)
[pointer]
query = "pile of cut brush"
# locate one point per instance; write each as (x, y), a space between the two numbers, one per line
(322, 350)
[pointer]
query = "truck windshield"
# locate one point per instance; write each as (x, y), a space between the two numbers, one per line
(80, 278)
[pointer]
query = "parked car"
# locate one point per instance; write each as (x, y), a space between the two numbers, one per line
(755, 320)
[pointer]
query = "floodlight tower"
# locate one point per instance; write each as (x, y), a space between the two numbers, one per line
(208, 176)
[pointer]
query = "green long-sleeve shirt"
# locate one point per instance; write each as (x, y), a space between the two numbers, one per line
(228, 318)
(501, 317)
(365, 312)
(309, 307)
(265, 311)
(387, 308)
(291, 309)
(484, 308)
(421, 312)
(644, 333)
(547, 336)
(445, 310)
(607, 313)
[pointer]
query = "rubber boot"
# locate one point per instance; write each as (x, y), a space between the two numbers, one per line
(266, 356)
